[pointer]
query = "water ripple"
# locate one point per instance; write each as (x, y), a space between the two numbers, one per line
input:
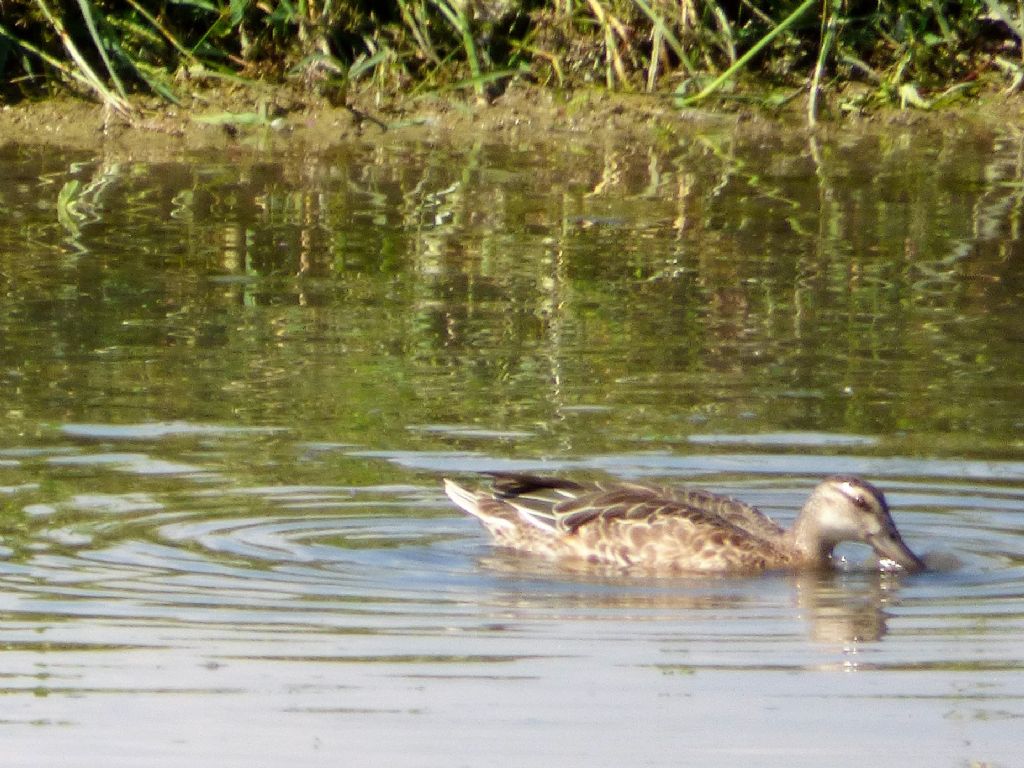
(395, 559)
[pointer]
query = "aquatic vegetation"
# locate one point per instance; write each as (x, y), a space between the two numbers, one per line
(863, 54)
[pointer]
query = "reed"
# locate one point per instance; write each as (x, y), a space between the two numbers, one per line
(908, 53)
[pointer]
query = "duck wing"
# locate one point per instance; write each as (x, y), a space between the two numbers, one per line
(746, 517)
(566, 505)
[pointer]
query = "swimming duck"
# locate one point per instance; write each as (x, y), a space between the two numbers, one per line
(679, 530)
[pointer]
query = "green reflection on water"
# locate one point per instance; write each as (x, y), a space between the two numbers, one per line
(580, 300)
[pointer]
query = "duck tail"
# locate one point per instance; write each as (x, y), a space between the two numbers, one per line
(464, 499)
(498, 516)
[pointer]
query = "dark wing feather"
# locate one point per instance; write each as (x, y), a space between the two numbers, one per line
(515, 484)
(570, 505)
(634, 502)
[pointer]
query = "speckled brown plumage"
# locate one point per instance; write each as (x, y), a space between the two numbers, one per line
(678, 530)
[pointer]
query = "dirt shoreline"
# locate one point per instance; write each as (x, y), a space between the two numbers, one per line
(283, 122)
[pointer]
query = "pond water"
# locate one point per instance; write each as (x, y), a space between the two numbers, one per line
(231, 386)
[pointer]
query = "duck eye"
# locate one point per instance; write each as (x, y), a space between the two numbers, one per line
(860, 502)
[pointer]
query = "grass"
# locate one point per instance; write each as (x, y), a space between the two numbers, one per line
(909, 53)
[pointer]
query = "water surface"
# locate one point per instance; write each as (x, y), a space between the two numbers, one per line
(231, 386)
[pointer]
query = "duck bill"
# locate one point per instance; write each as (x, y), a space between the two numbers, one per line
(893, 548)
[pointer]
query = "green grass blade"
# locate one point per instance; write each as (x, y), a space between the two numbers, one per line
(456, 16)
(155, 23)
(85, 72)
(741, 62)
(90, 24)
(824, 50)
(670, 39)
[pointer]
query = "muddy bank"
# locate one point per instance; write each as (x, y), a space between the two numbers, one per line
(281, 121)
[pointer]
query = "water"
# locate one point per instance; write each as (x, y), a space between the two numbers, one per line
(231, 386)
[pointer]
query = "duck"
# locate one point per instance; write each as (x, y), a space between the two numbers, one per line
(660, 529)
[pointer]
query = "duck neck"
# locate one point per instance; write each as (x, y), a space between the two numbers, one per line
(806, 537)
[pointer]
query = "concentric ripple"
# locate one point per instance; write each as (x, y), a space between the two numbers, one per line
(263, 555)
(183, 580)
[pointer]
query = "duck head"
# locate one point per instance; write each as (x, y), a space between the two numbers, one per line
(851, 509)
